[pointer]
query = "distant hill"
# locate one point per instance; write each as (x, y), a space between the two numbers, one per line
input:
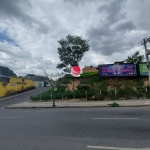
(6, 71)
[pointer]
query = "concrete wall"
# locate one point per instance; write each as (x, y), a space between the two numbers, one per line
(38, 84)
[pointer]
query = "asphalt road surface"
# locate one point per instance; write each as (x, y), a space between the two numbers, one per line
(22, 98)
(74, 128)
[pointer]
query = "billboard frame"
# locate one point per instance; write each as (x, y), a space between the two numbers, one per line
(136, 67)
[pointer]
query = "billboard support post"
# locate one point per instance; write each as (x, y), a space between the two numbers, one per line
(146, 89)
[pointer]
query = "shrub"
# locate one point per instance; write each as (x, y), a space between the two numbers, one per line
(112, 95)
(127, 92)
(104, 94)
(114, 105)
(80, 94)
(148, 92)
(68, 94)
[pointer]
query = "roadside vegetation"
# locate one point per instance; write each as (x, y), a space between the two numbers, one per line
(114, 105)
(99, 89)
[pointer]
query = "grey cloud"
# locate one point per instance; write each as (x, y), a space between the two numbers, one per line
(11, 50)
(80, 2)
(16, 54)
(111, 30)
(112, 11)
(103, 23)
(44, 64)
(13, 8)
(139, 12)
(20, 10)
(127, 25)
(96, 32)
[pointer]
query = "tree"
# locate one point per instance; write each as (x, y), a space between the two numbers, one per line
(71, 51)
(135, 58)
(30, 75)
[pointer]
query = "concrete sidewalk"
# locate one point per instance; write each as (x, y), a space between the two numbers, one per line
(81, 104)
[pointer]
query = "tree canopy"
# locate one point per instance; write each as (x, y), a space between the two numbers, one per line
(6, 71)
(30, 75)
(71, 51)
(135, 58)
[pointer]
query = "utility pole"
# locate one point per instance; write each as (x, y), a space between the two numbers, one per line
(147, 52)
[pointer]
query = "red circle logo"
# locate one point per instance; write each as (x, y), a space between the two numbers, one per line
(75, 71)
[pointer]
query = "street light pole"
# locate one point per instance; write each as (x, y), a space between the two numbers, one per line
(54, 100)
(54, 83)
(147, 52)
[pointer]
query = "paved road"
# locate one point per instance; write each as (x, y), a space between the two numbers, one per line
(22, 98)
(74, 128)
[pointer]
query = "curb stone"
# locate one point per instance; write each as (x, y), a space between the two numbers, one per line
(23, 107)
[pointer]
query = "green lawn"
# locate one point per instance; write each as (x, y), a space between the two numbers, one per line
(83, 74)
(89, 74)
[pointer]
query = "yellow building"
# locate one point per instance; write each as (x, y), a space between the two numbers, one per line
(16, 80)
(36, 84)
(28, 83)
(15, 84)
(89, 69)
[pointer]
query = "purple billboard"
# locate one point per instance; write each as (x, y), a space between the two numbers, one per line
(118, 70)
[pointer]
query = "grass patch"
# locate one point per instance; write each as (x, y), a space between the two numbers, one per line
(114, 105)
(89, 74)
(82, 75)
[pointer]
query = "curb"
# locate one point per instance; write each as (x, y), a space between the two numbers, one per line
(23, 107)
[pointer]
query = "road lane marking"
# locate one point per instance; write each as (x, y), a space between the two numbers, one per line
(116, 148)
(85, 110)
(12, 117)
(115, 118)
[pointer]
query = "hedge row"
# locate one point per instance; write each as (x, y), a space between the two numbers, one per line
(127, 92)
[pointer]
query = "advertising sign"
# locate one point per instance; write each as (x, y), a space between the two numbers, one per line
(143, 69)
(118, 70)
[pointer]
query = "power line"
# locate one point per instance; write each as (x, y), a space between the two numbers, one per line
(116, 45)
(27, 59)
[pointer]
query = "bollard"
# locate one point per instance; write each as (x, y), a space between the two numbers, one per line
(146, 89)
(115, 94)
(100, 92)
(31, 95)
(73, 96)
(51, 96)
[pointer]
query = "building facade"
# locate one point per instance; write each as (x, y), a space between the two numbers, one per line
(89, 69)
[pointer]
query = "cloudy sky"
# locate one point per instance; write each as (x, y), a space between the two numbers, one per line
(30, 29)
